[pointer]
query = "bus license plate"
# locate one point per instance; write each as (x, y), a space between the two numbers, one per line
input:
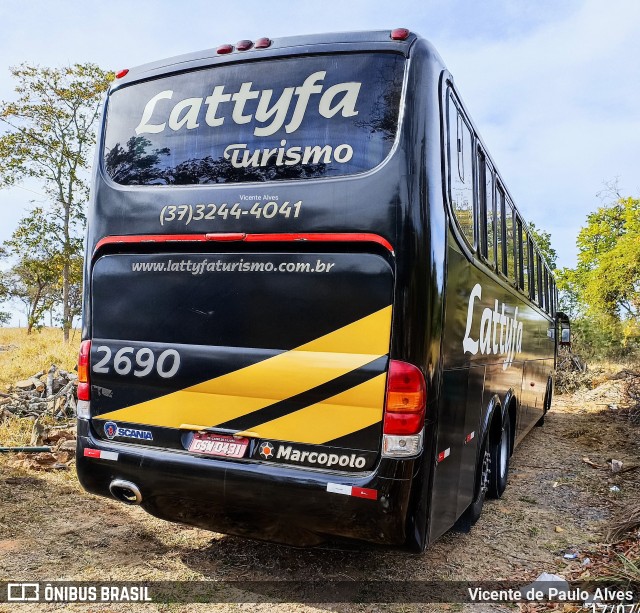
(219, 445)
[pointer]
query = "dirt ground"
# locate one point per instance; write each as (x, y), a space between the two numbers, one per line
(555, 503)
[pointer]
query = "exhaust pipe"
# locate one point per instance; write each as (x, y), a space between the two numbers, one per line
(125, 491)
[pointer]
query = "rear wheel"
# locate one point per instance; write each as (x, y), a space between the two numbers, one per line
(500, 451)
(473, 512)
(547, 403)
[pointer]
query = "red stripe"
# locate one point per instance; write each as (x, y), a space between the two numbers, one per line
(363, 492)
(347, 237)
(91, 453)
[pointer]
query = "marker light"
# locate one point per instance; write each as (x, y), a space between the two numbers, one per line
(224, 49)
(122, 73)
(263, 43)
(400, 34)
(406, 397)
(244, 45)
(84, 386)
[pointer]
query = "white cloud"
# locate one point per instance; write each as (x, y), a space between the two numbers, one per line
(553, 87)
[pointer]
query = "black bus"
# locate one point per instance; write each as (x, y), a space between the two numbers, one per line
(312, 310)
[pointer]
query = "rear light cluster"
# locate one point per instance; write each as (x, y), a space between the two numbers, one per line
(405, 410)
(245, 45)
(84, 384)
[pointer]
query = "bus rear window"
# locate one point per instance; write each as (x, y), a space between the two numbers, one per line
(288, 118)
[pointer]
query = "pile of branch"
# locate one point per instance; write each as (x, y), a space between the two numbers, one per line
(632, 396)
(626, 520)
(52, 393)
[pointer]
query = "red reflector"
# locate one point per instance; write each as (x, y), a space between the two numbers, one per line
(244, 45)
(91, 453)
(263, 43)
(84, 391)
(364, 492)
(224, 49)
(122, 73)
(406, 397)
(400, 34)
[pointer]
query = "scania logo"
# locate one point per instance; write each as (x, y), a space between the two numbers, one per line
(266, 451)
(110, 429)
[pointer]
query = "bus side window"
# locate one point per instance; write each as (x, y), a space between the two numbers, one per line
(521, 255)
(486, 227)
(511, 270)
(539, 277)
(546, 291)
(500, 228)
(490, 205)
(525, 260)
(461, 171)
(534, 272)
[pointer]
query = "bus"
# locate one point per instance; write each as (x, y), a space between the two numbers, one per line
(312, 310)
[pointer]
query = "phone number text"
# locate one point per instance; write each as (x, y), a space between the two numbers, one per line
(186, 213)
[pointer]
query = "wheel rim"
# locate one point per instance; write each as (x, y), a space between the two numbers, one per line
(486, 471)
(504, 452)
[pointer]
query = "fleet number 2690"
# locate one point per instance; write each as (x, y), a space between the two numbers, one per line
(141, 362)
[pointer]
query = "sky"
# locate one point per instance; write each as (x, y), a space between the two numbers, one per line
(552, 86)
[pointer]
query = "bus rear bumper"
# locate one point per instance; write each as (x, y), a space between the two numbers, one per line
(256, 500)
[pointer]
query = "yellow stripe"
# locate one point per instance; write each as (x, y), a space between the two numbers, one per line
(357, 408)
(260, 385)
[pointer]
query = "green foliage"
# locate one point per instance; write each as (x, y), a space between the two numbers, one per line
(49, 135)
(35, 277)
(602, 294)
(543, 241)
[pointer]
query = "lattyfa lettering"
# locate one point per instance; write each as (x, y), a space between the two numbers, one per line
(269, 112)
(498, 333)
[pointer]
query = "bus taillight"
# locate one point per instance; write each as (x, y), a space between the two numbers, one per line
(84, 386)
(244, 45)
(405, 410)
(263, 43)
(400, 34)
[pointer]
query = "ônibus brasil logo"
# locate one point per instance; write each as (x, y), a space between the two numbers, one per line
(266, 451)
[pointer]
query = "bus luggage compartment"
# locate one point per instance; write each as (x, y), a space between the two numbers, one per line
(232, 361)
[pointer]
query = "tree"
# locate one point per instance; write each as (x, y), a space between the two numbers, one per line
(543, 241)
(608, 270)
(602, 293)
(35, 278)
(49, 136)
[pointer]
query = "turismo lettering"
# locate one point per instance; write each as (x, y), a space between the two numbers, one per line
(499, 333)
(339, 98)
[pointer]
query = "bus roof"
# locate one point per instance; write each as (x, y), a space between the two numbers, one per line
(375, 40)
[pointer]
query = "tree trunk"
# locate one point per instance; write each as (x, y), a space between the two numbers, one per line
(66, 323)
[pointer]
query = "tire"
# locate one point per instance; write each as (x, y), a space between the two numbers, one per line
(474, 510)
(547, 404)
(500, 451)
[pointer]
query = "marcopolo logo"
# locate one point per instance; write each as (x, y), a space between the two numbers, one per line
(266, 451)
(111, 429)
(288, 453)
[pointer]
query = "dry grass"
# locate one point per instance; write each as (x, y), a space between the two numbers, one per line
(25, 355)
(15, 432)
